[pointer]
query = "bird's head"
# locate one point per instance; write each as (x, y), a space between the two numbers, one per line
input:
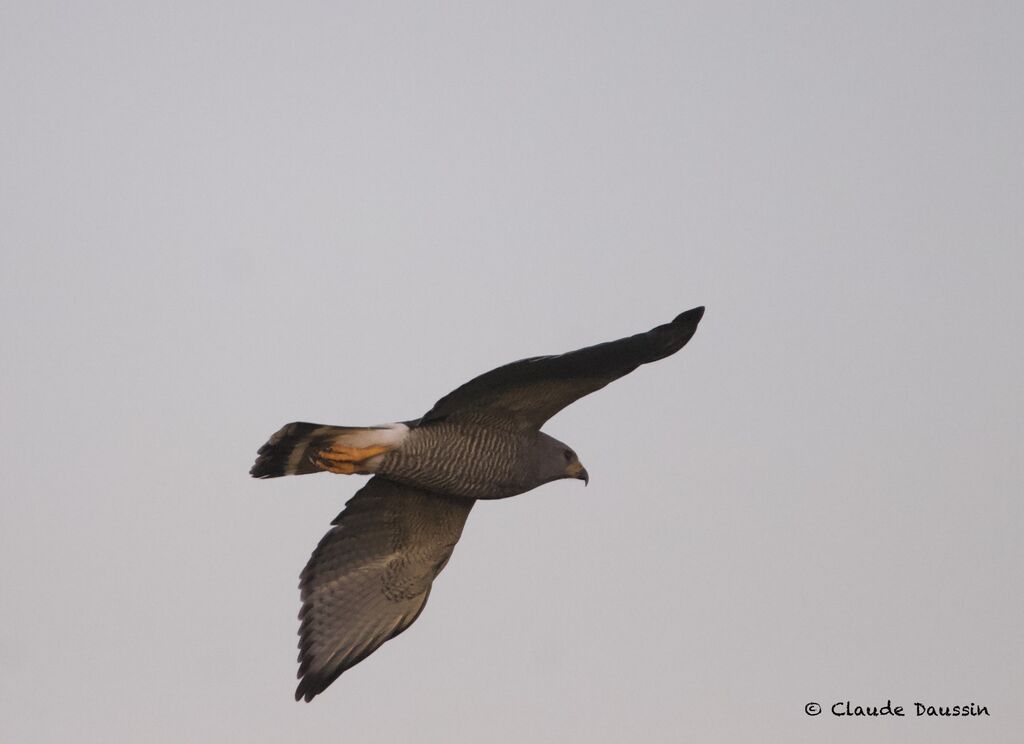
(556, 460)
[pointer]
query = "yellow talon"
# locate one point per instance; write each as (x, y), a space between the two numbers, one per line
(344, 468)
(339, 458)
(342, 453)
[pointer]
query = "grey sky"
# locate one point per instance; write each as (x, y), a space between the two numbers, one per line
(217, 218)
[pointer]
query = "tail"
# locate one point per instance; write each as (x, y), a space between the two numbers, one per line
(299, 448)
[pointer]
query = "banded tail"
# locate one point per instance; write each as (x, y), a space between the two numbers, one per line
(300, 447)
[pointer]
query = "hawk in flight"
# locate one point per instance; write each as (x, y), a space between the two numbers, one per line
(370, 576)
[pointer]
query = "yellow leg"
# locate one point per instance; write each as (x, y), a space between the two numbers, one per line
(340, 458)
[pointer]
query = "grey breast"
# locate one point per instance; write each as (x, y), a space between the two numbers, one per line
(464, 459)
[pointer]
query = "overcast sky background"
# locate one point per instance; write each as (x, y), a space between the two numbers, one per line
(220, 217)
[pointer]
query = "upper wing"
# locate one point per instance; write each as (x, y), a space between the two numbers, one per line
(533, 390)
(370, 576)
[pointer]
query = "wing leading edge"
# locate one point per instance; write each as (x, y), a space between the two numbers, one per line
(531, 391)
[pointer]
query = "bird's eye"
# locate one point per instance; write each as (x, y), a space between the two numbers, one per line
(568, 455)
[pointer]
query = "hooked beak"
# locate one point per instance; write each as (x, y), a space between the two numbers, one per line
(576, 470)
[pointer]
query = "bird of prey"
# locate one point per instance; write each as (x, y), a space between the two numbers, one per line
(370, 576)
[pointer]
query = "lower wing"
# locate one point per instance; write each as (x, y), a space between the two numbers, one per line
(370, 576)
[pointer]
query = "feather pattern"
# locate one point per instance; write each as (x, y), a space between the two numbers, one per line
(465, 459)
(370, 576)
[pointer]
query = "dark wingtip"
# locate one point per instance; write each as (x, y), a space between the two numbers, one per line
(307, 688)
(312, 684)
(690, 316)
(669, 338)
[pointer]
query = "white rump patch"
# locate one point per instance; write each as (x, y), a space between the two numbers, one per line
(384, 435)
(390, 435)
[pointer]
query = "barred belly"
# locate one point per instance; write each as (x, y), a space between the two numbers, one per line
(463, 459)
